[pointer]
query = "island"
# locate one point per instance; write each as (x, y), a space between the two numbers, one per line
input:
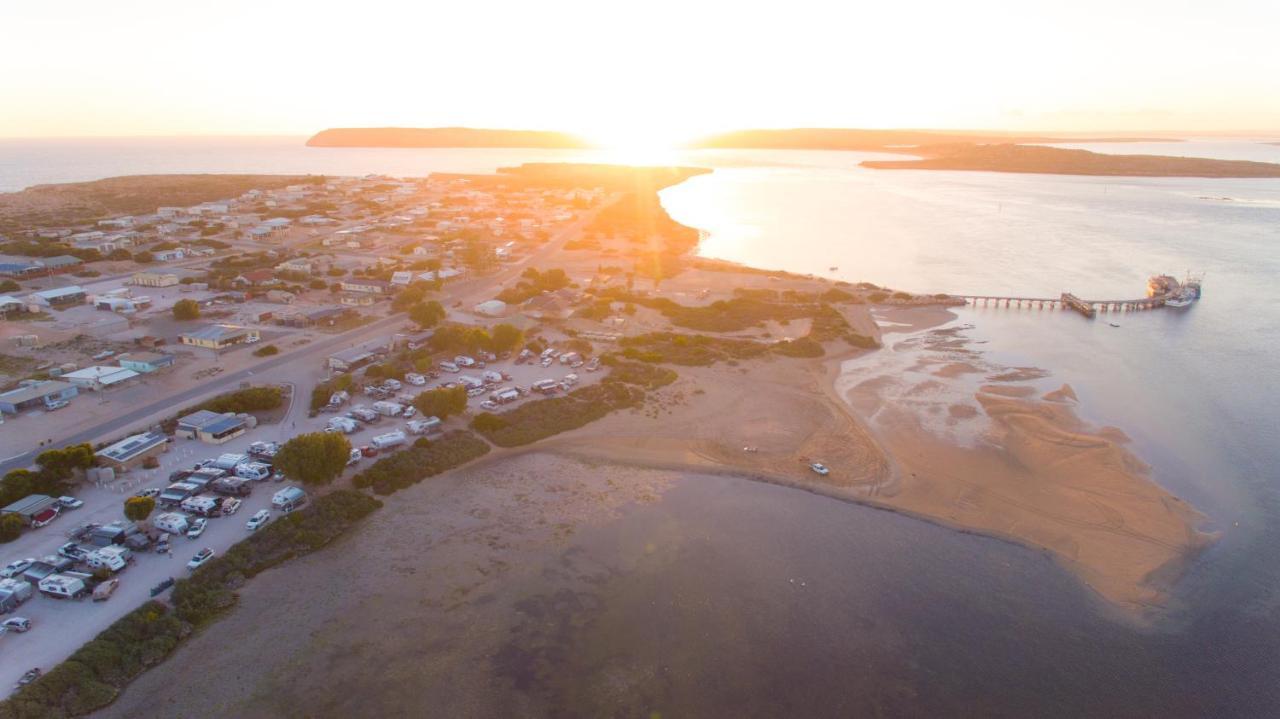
(444, 137)
(1033, 159)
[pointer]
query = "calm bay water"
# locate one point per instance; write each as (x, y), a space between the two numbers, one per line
(1195, 389)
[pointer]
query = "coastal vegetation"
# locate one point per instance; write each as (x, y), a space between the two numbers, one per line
(442, 402)
(426, 458)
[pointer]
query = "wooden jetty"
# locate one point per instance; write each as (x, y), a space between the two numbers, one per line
(1088, 308)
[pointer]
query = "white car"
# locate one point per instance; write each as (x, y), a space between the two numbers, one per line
(259, 518)
(15, 568)
(70, 502)
(820, 468)
(198, 561)
(16, 624)
(230, 505)
(197, 527)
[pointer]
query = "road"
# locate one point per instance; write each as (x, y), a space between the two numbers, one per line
(121, 422)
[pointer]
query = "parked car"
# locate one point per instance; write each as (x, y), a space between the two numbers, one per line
(31, 674)
(230, 505)
(152, 492)
(163, 585)
(197, 527)
(202, 557)
(103, 591)
(488, 405)
(820, 468)
(14, 568)
(70, 502)
(259, 518)
(16, 624)
(56, 404)
(369, 451)
(354, 457)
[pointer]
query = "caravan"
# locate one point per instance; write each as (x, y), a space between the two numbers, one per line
(289, 499)
(171, 522)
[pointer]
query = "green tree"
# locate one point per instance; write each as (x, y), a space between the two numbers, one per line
(9, 286)
(137, 509)
(314, 458)
(410, 296)
(11, 526)
(60, 463)
(506, 337)
(442, 402)
(427, 314)
(186, 310)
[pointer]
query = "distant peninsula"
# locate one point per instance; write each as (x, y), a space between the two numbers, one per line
(1060, 161)
(444, 137)
(787, 139)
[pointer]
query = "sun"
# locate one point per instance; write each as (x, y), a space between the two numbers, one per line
(638, 144)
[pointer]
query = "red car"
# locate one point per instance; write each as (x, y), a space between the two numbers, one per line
(44, 517)
(369, 451)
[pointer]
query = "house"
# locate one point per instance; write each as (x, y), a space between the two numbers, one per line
(9, 305)
(491, 308)
(133, 451)
(154, 279)
(373, 287)
(350, 300)
(225, 429)
(218, 337)
(60, 263)
(36, 394)
(189, 425)
(298, 264)
(31, 505)
(169, 255)
(126, 305)
(145, 362)
(349, 359)
(60, 297)
(281, 297)
(257, 278)
(99, 377)
(20, 269)
(403, 277)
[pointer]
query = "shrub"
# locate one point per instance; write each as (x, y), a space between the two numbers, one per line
(186, 309)
(11, 526)
(314, 458)
(252, 399)
(424, 459)
(442, 402)
(803, 347)
(266, 351)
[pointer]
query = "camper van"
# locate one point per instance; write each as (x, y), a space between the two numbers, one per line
(415, 379)
(171, 522)
(345, 425)
(256, 471)
(289, 499)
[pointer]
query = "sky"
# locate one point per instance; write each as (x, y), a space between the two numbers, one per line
(656, 71)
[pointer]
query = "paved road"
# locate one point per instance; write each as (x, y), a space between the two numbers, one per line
(175, 401)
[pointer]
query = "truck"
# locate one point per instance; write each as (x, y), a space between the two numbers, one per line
(426, 425)
(345, 425)
(390, 439)
(388, 409)
(62, 586)
(113, 559)
(171, 522)
(233, 486)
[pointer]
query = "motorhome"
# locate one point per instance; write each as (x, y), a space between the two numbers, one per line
(345, 425)
(257, 471)
(175, 493)
(390, 439)
(289, 499)
(388, 409)
(13, 592)
(426, 425)
(203, 506)
(171, 522)
(113, 558)
(415, 379)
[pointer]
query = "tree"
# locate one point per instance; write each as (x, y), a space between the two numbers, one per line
(137, 509)
(506, 337)
(119, 255)
(11, 526)
(442, 402)
(9, 286)
(186, 310)
(314, 458)
(60, 463)
(144, 257)
(427, 314)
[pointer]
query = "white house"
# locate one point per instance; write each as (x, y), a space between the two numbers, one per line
(99, 377)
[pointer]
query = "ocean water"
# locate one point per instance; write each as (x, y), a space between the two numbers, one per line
(1195, 389)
